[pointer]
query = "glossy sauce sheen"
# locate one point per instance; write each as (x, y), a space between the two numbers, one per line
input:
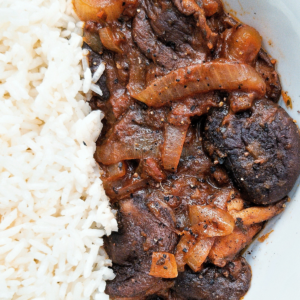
(196, 154)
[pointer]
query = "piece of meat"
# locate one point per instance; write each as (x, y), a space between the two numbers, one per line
(240, 101)
(191, 7)
(168, 23)
(197, 105)
(119, 98)
(260, 148)
(150, 168)
(140, 234)
(266, 69)
(176, 31)
(132, 282)
(161, 211)
(149, 45)
(229, 283)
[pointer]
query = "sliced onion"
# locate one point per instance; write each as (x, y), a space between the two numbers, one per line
(141, 142)
(163, 265)
(254, 215)
(198, 254)
(227, 247)
(130, 188)
(210, 221)
(186, 242)
(108, 40)
(201, 78)
(173, 144)
(115, 171)
(93, 40)
(152, 168)
(92, 10)
(244, 44)
(235, 205)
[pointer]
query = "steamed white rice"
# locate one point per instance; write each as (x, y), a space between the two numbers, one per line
(53, 209)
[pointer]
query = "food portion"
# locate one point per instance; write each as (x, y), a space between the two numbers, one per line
(230, 282)
(196, 154)
(260, 148)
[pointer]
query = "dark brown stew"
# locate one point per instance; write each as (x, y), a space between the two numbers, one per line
(196, 154)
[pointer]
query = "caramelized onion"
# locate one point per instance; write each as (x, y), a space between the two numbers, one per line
(173, 144)
(186, 243)
(93, 40)
(227, 247)
(235, 205)
(115, 171)
(128, 140)
(94, 10)
(198, 254)
(255, 215)
(211, 7)
(108, 40)
(163, 265)
(134, 185)
(210, 221)
(112, 152)
(201, 78)
(244, 44)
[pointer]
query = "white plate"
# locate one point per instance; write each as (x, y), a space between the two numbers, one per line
(275, 263)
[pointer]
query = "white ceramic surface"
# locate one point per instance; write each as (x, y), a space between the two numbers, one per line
(275, 263)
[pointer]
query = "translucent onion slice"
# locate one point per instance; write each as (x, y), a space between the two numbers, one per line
(108, 40)
(186, 243)
(134, 185)
(145, 144)
(94, 10)
(211, 221)
(198, 254)
(244, 44)
(172, 148)
(128, 140)
(201, 78)
(115, 171)
(235, 205)
(93, 40)
(254, 215)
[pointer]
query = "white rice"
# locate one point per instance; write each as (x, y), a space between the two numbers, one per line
(53, 209)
